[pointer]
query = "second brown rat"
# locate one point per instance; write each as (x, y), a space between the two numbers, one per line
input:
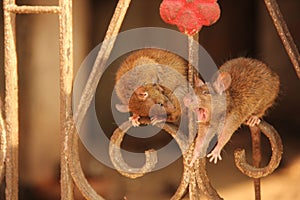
(241, 93)
(152, 83)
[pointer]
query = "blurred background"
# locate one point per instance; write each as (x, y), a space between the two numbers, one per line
(244, 29)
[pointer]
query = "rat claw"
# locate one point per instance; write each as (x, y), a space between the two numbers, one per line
(135, 121)
(155, 120)
(214, 156)
(252, 121)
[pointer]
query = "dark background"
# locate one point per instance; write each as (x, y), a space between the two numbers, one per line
(244, 29)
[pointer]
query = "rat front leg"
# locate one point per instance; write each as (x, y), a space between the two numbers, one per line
(215, 155)
(231, 124)
(198, 151)
(134, 120)
(201, 143)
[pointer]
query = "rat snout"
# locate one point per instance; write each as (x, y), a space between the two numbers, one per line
(170, 107)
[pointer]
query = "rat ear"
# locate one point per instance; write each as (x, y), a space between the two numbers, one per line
(223, 82)
(198, 82)
(141, 93)
(122, 108)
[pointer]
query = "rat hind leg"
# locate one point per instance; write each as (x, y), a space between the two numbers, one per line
(254, 119)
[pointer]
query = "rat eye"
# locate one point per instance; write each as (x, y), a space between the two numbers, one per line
(205, 92)
(161, 104)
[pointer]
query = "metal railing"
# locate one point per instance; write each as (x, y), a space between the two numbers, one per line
(194, 178)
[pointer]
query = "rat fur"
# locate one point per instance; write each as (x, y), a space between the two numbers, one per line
(240, 92)
(152, 83)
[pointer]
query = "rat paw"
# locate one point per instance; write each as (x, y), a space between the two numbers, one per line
(135, 121)
(252, 121)
(214, 156)
(157, 119)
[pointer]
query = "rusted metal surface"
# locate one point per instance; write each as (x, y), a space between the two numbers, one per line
(194, 179)
(203, 180)
(88, 92)
(66, 82)
(193, 58)
(256, 157)
(101, 59)
(117, 158)
(151, 156)
(2, 143)
(11, 104)
(75, 167)
(32, 9)
(277, 148)
(284, 33)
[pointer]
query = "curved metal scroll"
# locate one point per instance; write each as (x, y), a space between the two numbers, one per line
(151, 155)
(193, 177)
(75, 167)
(118, 161)
(277, 149)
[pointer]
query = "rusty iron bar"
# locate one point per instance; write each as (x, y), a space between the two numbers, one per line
(2, 143)
(193, 187)
(284, 34)
(203, 180)
(73, 155)
(101, 59)
(181, 140)
(11, 104)
(277, 149)
(66, 82)
(75, 167)
(32, 9)
(198, 177)
(256, 157)
(184, 183)
(193, 58)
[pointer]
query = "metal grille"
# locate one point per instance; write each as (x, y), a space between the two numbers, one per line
(196, 179)
(64, 10)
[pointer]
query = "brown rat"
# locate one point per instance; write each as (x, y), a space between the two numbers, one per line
(240, 93)
(152, 83)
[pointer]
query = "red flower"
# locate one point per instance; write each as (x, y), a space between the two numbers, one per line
(190, 15)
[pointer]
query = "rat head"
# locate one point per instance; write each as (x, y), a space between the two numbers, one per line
(208, 97)
(150, 100)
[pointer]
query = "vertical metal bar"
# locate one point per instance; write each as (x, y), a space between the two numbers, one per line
(256, 157)
(66, 81)
(284, 34)
(87, 95)
(2, 143)
(193, 58)
(11, 103)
